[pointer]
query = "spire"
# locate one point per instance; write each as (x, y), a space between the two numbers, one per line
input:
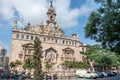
(51, 14)
(51, 4)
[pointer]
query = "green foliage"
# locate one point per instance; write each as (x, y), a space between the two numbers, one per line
(75, 64)
(103, 58)
(48, 66)
(12, 64)
(37, 60)
(104, 24)
(28, 64)
(15, 64)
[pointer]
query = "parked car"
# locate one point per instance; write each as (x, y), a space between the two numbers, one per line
(105, 74)
(100, 74)
(111, 74)
(48, 76)
(86, 73)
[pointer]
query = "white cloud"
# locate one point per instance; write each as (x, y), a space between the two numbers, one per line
(35, 11)
(6, 10)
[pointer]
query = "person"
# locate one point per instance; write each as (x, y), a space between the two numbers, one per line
(54, 76)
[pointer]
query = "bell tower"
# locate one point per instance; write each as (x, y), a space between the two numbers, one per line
(51, 15)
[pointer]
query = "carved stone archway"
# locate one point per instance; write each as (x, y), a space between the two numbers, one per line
(51, 55)
(68, 54)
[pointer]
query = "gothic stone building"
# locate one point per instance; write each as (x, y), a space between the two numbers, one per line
(57, 47)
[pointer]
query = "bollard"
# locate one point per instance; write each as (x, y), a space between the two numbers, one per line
(76, 77)
(84, 78)
(61, 77)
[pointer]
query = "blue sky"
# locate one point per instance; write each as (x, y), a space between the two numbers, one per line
(72, 15)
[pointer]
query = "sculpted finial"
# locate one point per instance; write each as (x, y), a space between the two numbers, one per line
(15, 24)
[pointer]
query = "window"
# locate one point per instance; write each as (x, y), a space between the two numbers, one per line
(22, 36)
(70, 42)
(63, 41)
(55, 40)
(66, 42)
(27, 36)
(75, 43)
(62, 58)
(48, 39)
(44, 39)
(36, 37)
(20, 55)
(83, 50)
(31, 37)
(17, 35)
(29, 51)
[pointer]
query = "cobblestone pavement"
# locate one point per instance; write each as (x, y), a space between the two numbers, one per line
(73, 78)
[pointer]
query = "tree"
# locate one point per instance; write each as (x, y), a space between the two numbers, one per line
(104, 24)
(12, 65)
(48, 65)
(102, 58)
(28, 64)
(37, 60)
(17, 62)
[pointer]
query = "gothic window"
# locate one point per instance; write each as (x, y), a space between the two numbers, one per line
(17, 35)
(22, 36)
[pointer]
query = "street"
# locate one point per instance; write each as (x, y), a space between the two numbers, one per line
(73, 78)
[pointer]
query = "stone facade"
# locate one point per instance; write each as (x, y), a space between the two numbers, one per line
(57, 47)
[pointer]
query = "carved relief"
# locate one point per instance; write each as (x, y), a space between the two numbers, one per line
(51, 56)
